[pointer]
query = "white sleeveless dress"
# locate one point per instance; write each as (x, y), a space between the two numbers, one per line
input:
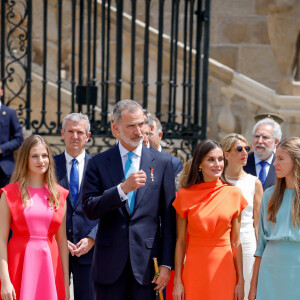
(247, 233)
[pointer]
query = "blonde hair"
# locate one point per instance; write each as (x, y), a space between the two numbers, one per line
(183, 176)
(20, 173)
(230, 139)
(292, 147)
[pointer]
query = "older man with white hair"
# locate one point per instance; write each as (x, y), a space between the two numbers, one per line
(266, 135)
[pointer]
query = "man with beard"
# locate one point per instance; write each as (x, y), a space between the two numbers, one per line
(266, 135)
(130, 189)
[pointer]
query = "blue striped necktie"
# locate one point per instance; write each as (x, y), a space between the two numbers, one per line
(129, 169)
(74, 181)
(262, 174)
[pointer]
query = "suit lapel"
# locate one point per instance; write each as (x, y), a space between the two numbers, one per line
(252, 167)
(62, 171)
(3, 114)
(114, 169)
(271, 175)
(146, 164)
(86, 159)
(114, 166)
(63, 175)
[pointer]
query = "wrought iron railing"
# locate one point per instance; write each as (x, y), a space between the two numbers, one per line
(176, 91)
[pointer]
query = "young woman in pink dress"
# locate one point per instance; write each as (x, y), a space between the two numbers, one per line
(34, 263)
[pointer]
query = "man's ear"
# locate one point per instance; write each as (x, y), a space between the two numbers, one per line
(88, 136)
(276, 142)
(115, 130)
(160, 134)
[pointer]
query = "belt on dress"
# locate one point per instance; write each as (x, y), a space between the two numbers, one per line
(209, 242)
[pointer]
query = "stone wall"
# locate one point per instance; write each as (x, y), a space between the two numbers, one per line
(239, 39)
(252, 42)
(257, 38)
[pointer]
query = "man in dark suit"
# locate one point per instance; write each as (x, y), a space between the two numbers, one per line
(130, 189)
(155, 139)
(10, 140)
(81, 232)
(266, 135)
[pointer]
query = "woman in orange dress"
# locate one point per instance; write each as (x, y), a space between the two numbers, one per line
(209, 211)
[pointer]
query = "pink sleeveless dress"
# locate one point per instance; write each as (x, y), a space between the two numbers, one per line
(33, 258)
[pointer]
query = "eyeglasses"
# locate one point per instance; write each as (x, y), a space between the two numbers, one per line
(240, 148)
(264, 137)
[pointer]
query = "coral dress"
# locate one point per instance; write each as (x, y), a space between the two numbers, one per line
(33, 259)
(209, 207)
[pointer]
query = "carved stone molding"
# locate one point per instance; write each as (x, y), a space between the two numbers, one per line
(226, 120)
(283, 31)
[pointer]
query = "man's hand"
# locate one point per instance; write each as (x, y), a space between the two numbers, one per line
(162, 280)
(71, 247)
(84, 246)
(134, 181)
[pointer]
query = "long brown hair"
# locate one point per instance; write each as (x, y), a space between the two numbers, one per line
(194, 176)
(20, 174)
(292, 147)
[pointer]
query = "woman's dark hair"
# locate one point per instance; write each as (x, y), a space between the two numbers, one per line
(195, 176)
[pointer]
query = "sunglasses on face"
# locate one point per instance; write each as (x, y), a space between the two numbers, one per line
(240, 148)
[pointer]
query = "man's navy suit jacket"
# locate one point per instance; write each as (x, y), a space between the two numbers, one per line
(176, 162)
(148, 232)
(10, 138)
(78, 225)
(250, 168)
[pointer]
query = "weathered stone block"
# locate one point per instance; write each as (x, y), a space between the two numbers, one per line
(258, 63)
(243, 30)
(232, 7)
(262, 6)
(227, 55)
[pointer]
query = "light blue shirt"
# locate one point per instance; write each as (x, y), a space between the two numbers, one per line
(136, 159)
(258, 165)
(283, 229)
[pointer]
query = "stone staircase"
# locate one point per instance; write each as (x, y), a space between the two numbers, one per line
(234, 99)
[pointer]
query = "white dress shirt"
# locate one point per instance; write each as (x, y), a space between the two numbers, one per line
(80, 165)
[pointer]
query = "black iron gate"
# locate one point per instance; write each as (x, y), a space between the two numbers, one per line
(61, 56)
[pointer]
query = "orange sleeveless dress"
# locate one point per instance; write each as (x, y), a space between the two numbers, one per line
(209, 271)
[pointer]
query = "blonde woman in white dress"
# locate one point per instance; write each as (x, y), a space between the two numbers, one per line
(236, 149)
